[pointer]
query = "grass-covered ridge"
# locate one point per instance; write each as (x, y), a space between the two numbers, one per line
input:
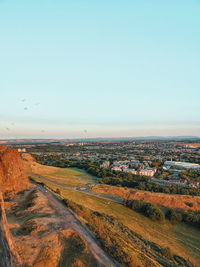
(72, 177)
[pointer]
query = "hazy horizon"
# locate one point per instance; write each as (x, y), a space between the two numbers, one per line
(88, 69)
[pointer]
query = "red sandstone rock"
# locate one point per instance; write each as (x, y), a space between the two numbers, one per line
(12, 175)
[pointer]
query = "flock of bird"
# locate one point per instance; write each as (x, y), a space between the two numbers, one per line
(25, 108)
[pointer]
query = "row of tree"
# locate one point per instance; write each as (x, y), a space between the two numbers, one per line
(155, 213)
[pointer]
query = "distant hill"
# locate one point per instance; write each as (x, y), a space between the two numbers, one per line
(100, 139)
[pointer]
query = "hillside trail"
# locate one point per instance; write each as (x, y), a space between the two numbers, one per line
(69, 221)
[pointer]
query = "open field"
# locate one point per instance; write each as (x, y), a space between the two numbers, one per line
(183, 240)
(72, 177)
(68, 176)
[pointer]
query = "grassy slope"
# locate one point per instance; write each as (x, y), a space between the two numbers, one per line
(183, 240)
(68, 176)
(72, 177)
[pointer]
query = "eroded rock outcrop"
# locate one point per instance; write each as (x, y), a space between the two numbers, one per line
(12, 176)
(12, 181)
(8, 254)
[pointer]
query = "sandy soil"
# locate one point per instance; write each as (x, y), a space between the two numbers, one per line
(49, 220)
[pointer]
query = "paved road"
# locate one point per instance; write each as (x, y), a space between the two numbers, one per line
(83, 189)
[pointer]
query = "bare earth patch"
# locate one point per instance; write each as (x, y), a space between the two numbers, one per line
(45, 233)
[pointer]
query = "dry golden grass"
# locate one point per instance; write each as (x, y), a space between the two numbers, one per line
(161, 199)
(75, 252)
(68, 176)
(71, 177)
(48, 256)
(31, 166)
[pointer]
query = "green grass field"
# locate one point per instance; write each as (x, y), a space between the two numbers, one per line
(183, 240)
(72, 177)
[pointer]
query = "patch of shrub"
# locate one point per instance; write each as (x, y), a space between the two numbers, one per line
(166, 252)
(149, 210)
(173, 216)
(57, 191)
(153, 212)
(189, 204)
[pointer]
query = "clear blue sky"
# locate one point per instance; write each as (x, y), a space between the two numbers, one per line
(85, 68)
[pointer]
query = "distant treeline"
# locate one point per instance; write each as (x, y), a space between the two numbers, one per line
(119, 178)
(155, 213)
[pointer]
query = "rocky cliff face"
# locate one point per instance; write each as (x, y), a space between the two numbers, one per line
(12, 176)
(8, 254)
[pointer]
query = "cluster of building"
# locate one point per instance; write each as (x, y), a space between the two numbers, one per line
(135, 157)
(145, 172)
(176, 167)
(143, 168)
(130, 166)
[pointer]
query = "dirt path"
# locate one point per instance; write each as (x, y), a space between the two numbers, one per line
(69, 221)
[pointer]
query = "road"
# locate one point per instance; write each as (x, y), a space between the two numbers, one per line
(83, 189)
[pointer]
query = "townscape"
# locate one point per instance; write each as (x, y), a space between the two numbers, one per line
(165, 162)
(100, 133)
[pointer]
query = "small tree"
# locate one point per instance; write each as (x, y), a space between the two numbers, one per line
(153, 212)
(58, 191)
(174, 216)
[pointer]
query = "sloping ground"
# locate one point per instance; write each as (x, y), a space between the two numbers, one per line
(31, 166)
(181, 239)
(68, 176)
(73, 177)
(47, 234)
(161, 199)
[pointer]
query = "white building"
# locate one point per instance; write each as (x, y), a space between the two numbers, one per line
(180, 165)
(116, 168)
(22, 150)
(146, 172)
(105, 164)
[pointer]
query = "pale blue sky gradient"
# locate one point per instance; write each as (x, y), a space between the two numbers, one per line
(99, 68)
